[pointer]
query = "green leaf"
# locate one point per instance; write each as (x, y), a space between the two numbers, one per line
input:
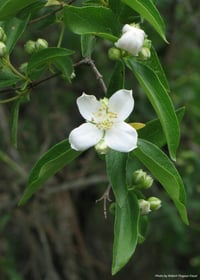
(115, 5)
(50, 163)
(116, 170)
(148, 10)
(161, 102)
(125, 232)
(154, 63)
(87, 45)
(14, 122)
(9, 8)
(7, 79)
(153, 131)
(98, 21)
(14, 28)
(117, 79)
(165, 172)
(65, 67)
(46, 57)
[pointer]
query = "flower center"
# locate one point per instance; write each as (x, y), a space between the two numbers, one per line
(103, 118)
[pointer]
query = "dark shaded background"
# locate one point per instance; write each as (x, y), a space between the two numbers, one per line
(61, 234)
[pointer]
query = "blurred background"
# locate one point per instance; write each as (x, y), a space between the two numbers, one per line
(61, 234)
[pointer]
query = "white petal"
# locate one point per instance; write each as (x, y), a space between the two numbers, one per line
(122, 103)
(131, 40)
(121, 137)
(85, 136)
(87, 105)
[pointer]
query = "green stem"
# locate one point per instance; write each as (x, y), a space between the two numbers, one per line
(7, 63)
(9, 99)
(61, 35)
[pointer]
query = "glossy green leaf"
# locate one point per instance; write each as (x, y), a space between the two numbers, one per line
(98, 21)
(165, 172)
(9, 8)
(154, 63)
(50, 163)
(116, 170)
(153, 131)
(148, 10)
(117, 79)
(88, 43)
(125, 232)
(160, 101)
(7, 79)
(46, 57)
(64, 66)
(14, 28)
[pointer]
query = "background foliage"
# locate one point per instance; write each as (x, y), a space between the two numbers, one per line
(62, 233)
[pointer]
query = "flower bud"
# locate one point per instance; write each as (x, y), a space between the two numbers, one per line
(3, 36)
(23, 67)
(144, 206)
(132, 39)
(141, 180)
(41, 44)
(145, 53)
(3, 49)
(114, 53)
(101, 147)
(155, 203)
(30, 47)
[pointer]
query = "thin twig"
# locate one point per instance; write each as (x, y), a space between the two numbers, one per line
(105, 197)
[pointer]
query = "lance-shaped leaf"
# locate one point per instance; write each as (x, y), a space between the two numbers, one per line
(160, 101)
(9, 8)
(116, 170)
(125, 232)
(50, 163)
(165, 172)
(148, 10)
(98, 21)
(153, 132)
(14, 28)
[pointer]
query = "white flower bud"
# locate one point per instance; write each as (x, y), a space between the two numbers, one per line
(41, 44)
(3, 49)
(131, 40)
(101, 147)
(155, 203)
(29, 47)
(141, 180)
(144, 206)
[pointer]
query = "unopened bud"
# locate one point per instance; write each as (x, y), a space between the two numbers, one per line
(114, 53)
(29, 47)
(3, 49)
(23, 67)
(3, 36)
(145, 53)
(155, 203)
(144, 206)
(41, 44)
(141, 180)
(101, 147)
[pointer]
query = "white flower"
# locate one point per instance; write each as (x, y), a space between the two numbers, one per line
(131, 40)
(105, 123)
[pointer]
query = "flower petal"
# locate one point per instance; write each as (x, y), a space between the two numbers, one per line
(122, 103)
(131, 40)
(121, 137)
(85, 136)
(87, 105)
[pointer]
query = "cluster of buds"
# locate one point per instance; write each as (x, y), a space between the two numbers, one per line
(35, 46)
(132, 41)
(3, 37)
(142, 181)
(151, 204)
